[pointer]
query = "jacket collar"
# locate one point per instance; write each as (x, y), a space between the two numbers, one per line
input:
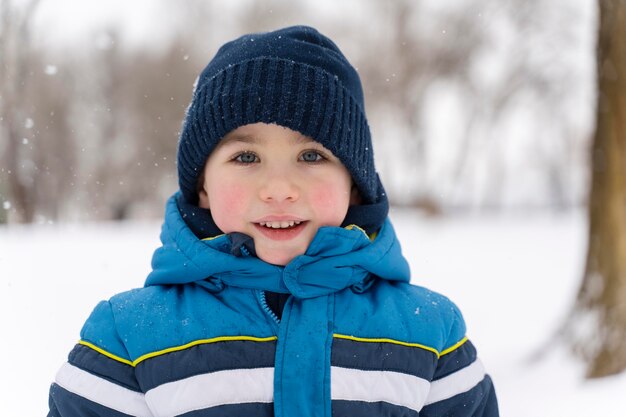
(336, 259)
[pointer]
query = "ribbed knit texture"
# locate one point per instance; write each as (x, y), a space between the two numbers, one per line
(294, 77)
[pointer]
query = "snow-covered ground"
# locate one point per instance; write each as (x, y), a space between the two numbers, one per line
(513, 276)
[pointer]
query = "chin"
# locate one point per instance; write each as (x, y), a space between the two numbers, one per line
(274, 258)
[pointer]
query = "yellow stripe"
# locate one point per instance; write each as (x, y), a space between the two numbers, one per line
(383, 340)
(202, 342)
(105, 353)
(213, 237)
(454, 347)
(354, 226)
(178, 348)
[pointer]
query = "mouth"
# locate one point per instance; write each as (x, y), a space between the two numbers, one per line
(281, 230)
(280, 224)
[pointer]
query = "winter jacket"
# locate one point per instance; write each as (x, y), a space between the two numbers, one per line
(355, 338)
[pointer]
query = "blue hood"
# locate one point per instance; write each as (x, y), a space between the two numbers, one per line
(337, 258)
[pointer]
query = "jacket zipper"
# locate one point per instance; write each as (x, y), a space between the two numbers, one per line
(267, 308)
(262, 299)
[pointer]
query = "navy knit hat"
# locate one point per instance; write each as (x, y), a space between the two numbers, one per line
(293, 77)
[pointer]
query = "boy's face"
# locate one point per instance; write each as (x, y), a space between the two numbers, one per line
(277, 186)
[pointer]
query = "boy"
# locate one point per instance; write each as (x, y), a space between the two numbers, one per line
(280, 288)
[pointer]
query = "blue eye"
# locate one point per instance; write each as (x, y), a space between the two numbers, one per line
(311, 156)
(246, 158)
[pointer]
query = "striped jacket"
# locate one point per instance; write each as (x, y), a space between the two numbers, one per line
(355, 338)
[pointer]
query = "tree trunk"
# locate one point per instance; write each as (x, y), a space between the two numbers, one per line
(601, 304)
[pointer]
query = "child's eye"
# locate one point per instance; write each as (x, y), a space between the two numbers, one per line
(246, 158)
(311, 156)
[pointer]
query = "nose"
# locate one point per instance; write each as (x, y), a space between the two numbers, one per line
(278, 186)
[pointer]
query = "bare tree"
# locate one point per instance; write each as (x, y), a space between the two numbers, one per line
(47, 146)
(598, 323)
(421, 50)
(408, 61)
(14, 42)
(154, 104)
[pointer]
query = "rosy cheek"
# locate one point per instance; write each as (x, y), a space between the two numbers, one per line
(330, 203)
(228, 206)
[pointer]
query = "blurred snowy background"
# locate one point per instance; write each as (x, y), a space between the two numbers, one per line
(482, 113)
(473, 104)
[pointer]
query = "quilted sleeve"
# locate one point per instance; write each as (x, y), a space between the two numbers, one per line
(99, 378)
(460, 386)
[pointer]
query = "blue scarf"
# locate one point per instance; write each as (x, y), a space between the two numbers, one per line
(337, 259)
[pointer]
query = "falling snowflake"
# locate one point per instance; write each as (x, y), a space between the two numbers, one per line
(51, 69)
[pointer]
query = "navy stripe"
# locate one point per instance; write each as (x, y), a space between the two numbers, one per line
(459, 358)
(67, 404)
(235, 410)
(383, 356)
(91, 361)
(479, 401)
(344, 408)
(204, 358)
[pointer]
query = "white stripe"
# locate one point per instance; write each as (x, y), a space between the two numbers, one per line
(101, 391)
(373, 386)
(456, 383)
(212, 389)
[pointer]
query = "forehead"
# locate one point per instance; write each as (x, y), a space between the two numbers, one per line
(261, 133)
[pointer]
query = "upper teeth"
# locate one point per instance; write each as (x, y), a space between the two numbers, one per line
(280, 225)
